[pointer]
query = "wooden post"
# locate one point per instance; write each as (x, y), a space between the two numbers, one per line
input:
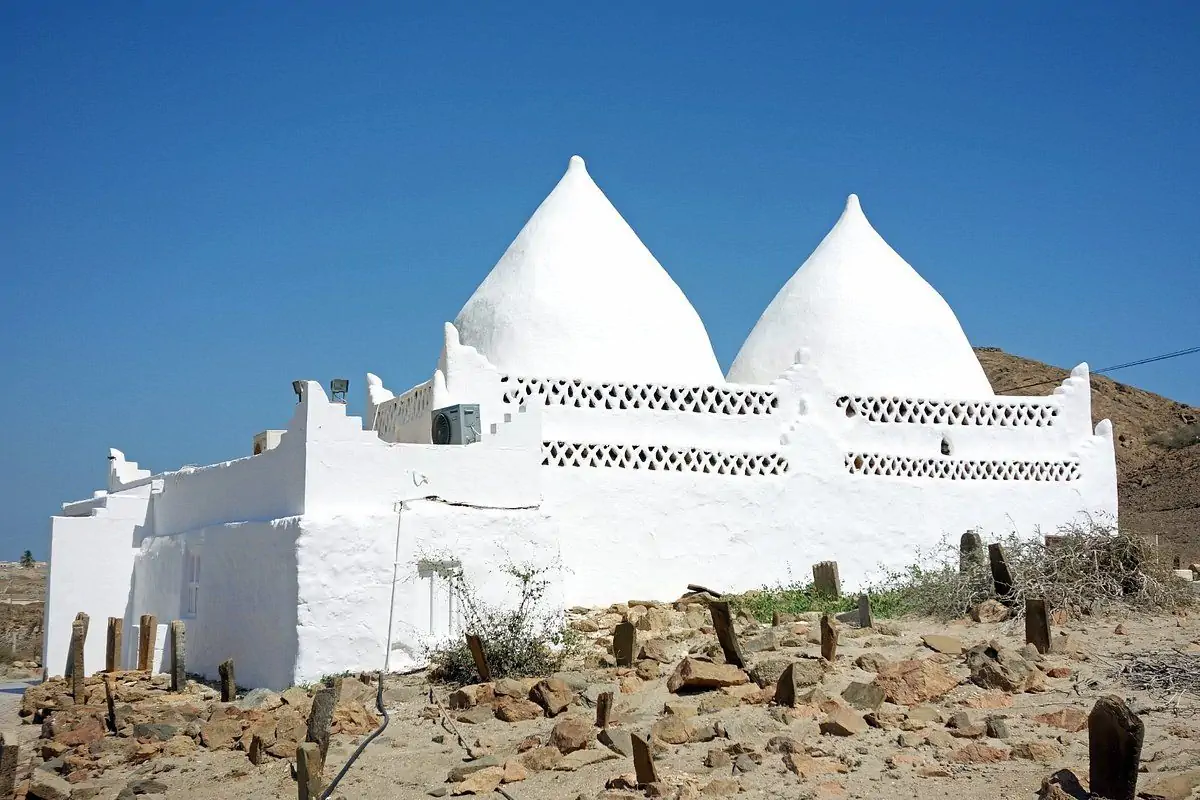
(228, 681)
(643, 761)
(1114, 749)
(78, 637)
(481, 665)
(825, 579)
(110, 701)
(624, 643)
(178, 656)
(1002, 577)
(309, 765)
(722, 621)
(970, 552)
(147, 633)
(320, 719)
(8, 762)
(112, 650)
(1037, 624)
(865, 618)
(603, 709)
(829, 638)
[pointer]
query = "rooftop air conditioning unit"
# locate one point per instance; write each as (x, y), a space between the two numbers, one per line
(456, 425)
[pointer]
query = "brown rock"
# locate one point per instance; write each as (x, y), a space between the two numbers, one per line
(871, 662)
(528, 743)
(220, 735)
(911, 682)
(552, 694)
(1045, 752)
(648, 669)
(45, 785)
(1172, 787)
(843, 722)
(991, 699)
(718, 759)
(72, 729)
(721, 787)
(1058, 672)
(990, 611)
(977, 753)
(515, 709)
(671, 729)
(541, 758)
(514, 771)
(480, 782)
(1069, 719)
(471, 696)
(863, 696)
(996, 667)
(511, 687)
(583, 758)
(571, 734)
(808, 767)
(949, 645)
(693, 674)
(290, 730)
(656, 649)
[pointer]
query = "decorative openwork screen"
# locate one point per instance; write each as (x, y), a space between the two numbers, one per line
(961, 470)
(661, 457)
(950, 412)
(726, 400)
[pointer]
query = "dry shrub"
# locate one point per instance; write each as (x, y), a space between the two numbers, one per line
(518, 642)
(1086, 568)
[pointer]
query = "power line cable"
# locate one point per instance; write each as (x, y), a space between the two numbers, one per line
(1139, 362)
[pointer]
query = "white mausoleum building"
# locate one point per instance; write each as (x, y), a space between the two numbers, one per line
(855, 424)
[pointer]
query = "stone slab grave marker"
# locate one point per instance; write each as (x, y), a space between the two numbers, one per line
(309, 765)
(722, 621)
(112, 647)
(825, 579)
(829, 638)
(865, 618)
(603, 709)
(8, 762)
(1115, 736)
(1002, 577)
(79, 629)
(147, 633)
(624, 643)
(110, 701)
(320, 720)
(643, 761)
(970, 552)
(1037, 624)
(481, 665)
(228, 681)
(178, 656)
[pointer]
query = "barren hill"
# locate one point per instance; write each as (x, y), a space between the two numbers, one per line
(1158, 448)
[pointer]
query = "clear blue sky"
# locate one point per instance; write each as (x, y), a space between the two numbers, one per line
(200, 202)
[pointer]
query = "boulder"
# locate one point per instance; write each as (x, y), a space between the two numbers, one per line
(844, 722)
(863, 696)
(482, 782)
(766, 671)
(656, 649)
(541, 758)
(471, 695)
(571, 734)
(995, 667)
(990, 611)
(462, 771)
(553, 695)
(871, 662)
(1045, 752)
(260, 698)
(694, 674)
(515, 709)
(617, 740)
(911, 682)
(45, 785)
(222, 734)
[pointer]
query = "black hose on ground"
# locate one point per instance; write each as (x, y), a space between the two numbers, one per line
(363, 746)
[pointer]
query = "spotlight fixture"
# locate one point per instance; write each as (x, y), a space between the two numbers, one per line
(298, 388)
(338, 388)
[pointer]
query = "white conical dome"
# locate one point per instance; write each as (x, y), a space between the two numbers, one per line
(577, 295)
(871, 324)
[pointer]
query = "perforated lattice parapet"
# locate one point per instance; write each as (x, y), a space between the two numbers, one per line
(661, 457)
(725, 400)
(394, 414)
(961, 470)
(950, 412)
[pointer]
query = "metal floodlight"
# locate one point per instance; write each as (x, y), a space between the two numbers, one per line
(298, 388)
(338, 388)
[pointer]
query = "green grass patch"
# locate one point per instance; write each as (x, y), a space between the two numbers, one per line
(801, 598)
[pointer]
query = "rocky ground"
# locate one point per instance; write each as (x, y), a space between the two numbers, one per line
(907, 709)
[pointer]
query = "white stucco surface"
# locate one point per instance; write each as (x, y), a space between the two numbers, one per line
(578, 295)
(871, 323)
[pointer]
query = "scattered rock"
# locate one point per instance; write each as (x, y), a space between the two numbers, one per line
(220, 735)
(463, 770)
(45, 785)
(871, 662)
(863, 696)
(1044, 752)
(515, 709)
(717, 759)
(843, 722)
(807, 767)
(617, 740)
(942, 644)
(514, 771)
(541, 758)
(995, 667)
(1069, 719)
(577, 759)
(571, 734)
(978, 753)
(482, 782)
(656, 649)
(694, 674)
(997, 728)
(990, 611)
(911, 682)
(783, 744)
(766, 671)
(264, 699)
(552, 694)
(471, 696)
(1172, 787)
(672, 729)
(511, 687)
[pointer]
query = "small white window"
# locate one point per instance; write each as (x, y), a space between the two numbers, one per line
(191, 582)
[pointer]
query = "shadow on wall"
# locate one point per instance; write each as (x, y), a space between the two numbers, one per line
(235, 588)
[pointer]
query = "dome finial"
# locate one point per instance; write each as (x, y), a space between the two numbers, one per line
(852, 204)
(576, 162)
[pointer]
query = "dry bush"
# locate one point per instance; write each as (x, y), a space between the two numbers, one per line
(518, 642)
(1086, 568)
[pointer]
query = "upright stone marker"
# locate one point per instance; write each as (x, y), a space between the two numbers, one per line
(70, 668)
(112, 649)
(228, 681)
(624, 643)
(865, 618)
(178, 656)
(1002, 577)
(829, 638)
(309, 765)
(970, 552)
(78, 637)
(1037, 624)
(722, 620)
(321, 719)
(8, 762)
(825, 579)
(643, 761)
(147, 633)
(603, 709)
(785, 689)
(110, 701)
(481, 665)
(1114, 749)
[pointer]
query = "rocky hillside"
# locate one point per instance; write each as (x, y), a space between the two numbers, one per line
(1158, 448)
